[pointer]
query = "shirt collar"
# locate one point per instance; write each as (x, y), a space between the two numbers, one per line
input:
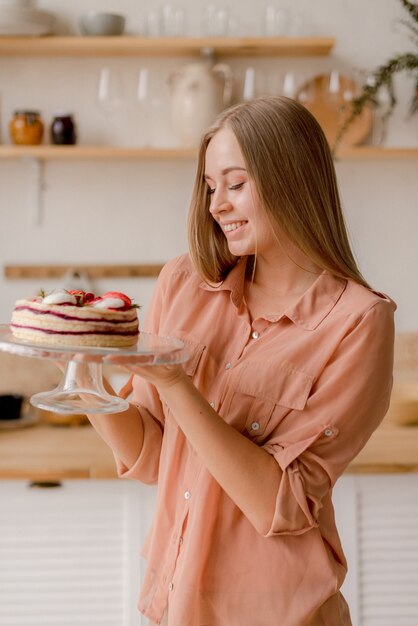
(234, 282)
(308, 311)
(317, 302)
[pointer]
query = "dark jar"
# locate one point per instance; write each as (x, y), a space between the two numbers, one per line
(26, 128)
(63, 131)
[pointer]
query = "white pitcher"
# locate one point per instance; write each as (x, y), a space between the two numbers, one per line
(199, 91)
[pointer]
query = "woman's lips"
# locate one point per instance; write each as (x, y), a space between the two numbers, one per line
(233, 228)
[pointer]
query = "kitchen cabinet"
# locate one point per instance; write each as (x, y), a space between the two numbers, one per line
(78, 544)
(69, 552)
(376, 516)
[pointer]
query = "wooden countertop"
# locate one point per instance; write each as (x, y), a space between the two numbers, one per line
(45, 452)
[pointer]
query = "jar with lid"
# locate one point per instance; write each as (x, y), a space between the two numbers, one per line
(63, 131)
(26, 128)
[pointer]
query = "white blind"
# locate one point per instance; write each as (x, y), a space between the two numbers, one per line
(388, 550)
(63, 554)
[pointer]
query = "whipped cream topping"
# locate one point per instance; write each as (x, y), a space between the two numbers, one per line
(59, 297)
(109, 303)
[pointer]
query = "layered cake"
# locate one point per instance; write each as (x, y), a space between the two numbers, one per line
(77, 318)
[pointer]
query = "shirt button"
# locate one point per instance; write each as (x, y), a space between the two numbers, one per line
(212, 404)
(255, 334)
(255, 425)
(328, 432)
(228, 366)
(187, 495)
(170, 587)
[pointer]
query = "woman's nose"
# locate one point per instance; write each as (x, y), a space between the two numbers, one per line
(219, 205)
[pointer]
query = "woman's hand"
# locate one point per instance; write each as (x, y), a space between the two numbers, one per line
(161, 376)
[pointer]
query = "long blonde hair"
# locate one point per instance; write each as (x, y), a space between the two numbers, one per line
(288, 158)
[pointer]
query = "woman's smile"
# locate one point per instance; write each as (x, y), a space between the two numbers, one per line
(231, 228)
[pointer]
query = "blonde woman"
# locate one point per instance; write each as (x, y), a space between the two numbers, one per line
(290, 372)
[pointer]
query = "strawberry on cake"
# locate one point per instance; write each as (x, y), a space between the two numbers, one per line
(77, 318)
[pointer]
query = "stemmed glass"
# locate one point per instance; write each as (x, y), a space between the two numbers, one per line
(145, 107)
(152, 102)
(248, 91)
(332, 90)
(288, 88)
(109, 91)
(306, 93)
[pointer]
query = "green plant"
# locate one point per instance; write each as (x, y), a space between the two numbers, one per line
(382, 77)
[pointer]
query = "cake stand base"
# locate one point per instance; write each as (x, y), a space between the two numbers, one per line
(81, 390)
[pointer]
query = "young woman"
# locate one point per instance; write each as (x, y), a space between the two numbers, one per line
(290, 372)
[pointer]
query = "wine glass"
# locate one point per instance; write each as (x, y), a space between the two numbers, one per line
(306, 93)
(276, 21)
(332, 90)
(248, 91)
(288, 87)
(152, 102)
(109, 91)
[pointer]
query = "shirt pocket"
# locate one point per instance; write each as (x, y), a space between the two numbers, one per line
(269, 391)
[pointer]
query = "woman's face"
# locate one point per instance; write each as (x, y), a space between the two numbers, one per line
(234, 202)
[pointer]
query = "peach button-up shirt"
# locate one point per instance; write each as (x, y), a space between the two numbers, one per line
(309, 386)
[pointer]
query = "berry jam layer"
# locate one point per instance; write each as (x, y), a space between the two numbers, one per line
(76, 318)
(50, 331)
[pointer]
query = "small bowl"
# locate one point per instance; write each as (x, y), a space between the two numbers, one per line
(97, 24)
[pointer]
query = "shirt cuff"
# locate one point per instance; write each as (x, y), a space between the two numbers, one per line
(296, 510)
(145, 468)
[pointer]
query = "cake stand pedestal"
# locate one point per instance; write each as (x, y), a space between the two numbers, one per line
(81, 389)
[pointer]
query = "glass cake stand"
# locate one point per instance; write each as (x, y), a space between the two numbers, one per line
(81, 389)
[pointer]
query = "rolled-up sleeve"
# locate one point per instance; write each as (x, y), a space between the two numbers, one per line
(146, 466)
(346, 404)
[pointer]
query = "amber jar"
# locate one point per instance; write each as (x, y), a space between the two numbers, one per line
(26, 128)
(63, 130)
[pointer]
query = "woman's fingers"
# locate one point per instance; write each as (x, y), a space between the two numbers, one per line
(127, 388)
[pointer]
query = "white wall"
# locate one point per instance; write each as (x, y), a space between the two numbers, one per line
(135, 211)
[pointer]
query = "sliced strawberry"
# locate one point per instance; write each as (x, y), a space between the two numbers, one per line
(82, 296)
(121, 296)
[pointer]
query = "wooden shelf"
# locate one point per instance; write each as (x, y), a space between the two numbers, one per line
(374, 153)
(16, 272)
(80, 152)
(162, 46)
(46, 452)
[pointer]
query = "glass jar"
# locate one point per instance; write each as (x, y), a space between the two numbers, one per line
(63, 132)
(26, 128)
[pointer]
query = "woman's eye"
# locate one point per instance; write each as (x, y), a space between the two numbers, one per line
(210, 191)
(237, 186)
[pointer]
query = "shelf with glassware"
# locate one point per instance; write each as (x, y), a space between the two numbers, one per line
(163, 46)
(85, 152)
